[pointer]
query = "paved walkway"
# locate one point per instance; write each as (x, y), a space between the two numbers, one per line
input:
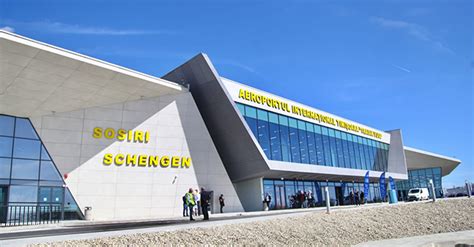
(439, 240)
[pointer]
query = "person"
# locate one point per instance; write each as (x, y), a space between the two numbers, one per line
(301, 199)
(267, 200)
(190, 202)
(185, 206)
(205, 199)
(351, 197)
(221, 202)
(310, 199)
(197, 199)
(357, 199)
(362, 199)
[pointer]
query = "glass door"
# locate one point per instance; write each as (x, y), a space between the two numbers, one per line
(3, 204)
(280, 197)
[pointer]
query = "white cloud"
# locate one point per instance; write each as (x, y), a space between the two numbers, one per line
(58, 27)
(417, 31)
(8, 29)
(401, 68)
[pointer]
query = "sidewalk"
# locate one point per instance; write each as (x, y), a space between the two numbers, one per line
(438, 240)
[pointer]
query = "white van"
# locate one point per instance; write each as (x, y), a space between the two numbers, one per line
(418, 194)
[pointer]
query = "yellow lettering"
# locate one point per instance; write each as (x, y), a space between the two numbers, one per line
(138, 137)
(242, 93)
(119, 159)
(153, 161)
(107, 159)
(165, 161)
(121, 134)
(97, 133)
(130, 135)
(186, 162)
(147, 137)
(131, 160)
(142, 160)
(109, 133)
(175, 161)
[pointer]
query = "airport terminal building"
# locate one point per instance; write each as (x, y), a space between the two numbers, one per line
(77, 132)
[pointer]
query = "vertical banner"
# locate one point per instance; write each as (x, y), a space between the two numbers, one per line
(392, 183)
(383, 188)
(366, 185)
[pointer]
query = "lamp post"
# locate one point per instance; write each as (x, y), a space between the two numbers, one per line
(468, 189)
(328, 203)
(433, 193)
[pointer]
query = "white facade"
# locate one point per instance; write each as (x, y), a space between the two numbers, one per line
(121, 192)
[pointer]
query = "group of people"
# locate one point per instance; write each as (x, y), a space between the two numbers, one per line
(197, 203)
(301, 199)
(357, 198)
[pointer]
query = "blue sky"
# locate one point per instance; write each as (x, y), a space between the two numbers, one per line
(387, 64)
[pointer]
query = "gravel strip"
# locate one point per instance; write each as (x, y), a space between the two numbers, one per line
(342, 228)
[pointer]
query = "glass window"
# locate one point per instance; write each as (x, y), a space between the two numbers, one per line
(326, 147)
(332, 146)
(345, 150)
(339, 149)
(350, 147)
(303, 142)
(275, 143)
(5, 165)
(49, 172)
(6, 146)
(272, 117)
(284, 138)
(362, 153)
(252, 123)
(241, 109)
(311, 144)
(270, 190)
(44, 154)
(262, 115)
(21, 193)
(57, 195)
(6, 125)
(294, 142)
(318, 138)
(263, 132)
(25, 169)
(250, 112)
(24, 129)
(44, 194)
(28, 149)
(285, 142)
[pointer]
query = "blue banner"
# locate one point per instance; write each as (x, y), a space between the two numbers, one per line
(366, 185)
(392, 183)
(383, 188)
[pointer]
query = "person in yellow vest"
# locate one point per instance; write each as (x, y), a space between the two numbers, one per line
(190, 202)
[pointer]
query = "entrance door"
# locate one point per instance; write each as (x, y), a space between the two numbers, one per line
(339, 196)
(3, 204)
(280, 197)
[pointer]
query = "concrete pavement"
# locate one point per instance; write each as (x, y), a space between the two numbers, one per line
(458, 239)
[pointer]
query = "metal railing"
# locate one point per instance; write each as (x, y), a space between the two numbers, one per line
(30, 215)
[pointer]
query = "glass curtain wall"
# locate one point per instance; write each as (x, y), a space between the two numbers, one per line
(419, 178)
(27, 171)
(288, 139)
(306, 193)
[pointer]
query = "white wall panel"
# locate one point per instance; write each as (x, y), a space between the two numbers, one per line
(130, 192)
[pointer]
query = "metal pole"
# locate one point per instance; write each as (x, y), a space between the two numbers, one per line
(328, 203)
(468, 188)
(433, 193)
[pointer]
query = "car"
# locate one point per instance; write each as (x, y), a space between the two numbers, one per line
(418, 194)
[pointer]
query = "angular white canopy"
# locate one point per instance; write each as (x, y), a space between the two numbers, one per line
(38, 79)
(419, 159)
